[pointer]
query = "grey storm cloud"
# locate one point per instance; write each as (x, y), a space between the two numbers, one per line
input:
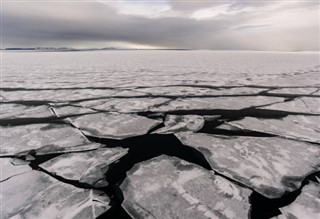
(194, 25)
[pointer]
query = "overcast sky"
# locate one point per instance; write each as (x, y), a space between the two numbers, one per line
(232, 25)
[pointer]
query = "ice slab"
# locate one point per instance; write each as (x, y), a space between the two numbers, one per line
(128, 93)
(270, 166)
(70, 110)
(86, 167)
(175, 123)
(167, 187)
(36, 195)
(112, 125)
(199, 91)
(17, 111)
(124, 105)
(294, 91)
(43, 138)
(218, 103)
(307, 205)
(62, 95)
(305, 128)
(9, 170)
(307, 78)
(310, 105)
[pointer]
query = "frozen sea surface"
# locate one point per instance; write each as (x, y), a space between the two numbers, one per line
(160, 134)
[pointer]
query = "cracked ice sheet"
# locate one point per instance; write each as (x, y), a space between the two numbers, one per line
(310, 105)
(271, 166)
(306, 128)
(44, 138)
(70, 110)
(87, 167)
(124, 105)
(167, 187)
(113, 125)
(175, 123)
(9, 170)
(198, 91)
(37, 195)
(219, 103)
(63, 95)
(307, 205)
(17, 111)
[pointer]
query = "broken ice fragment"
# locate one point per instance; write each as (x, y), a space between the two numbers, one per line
(43, 138)
(86, 167)
(167, 187)
(305, 128)
(112, 125)
(9, 170)
(271, 166)
(307, 205)
(181, 123)
(36, 195)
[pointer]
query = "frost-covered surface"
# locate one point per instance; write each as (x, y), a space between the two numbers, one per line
(77, 125)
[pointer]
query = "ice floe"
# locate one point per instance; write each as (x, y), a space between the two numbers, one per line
(43, 139)
(271, 166)
(306, 128)
(167, 187)
(307, 205)
(112, 125)
(36, 195)
(85, 167)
